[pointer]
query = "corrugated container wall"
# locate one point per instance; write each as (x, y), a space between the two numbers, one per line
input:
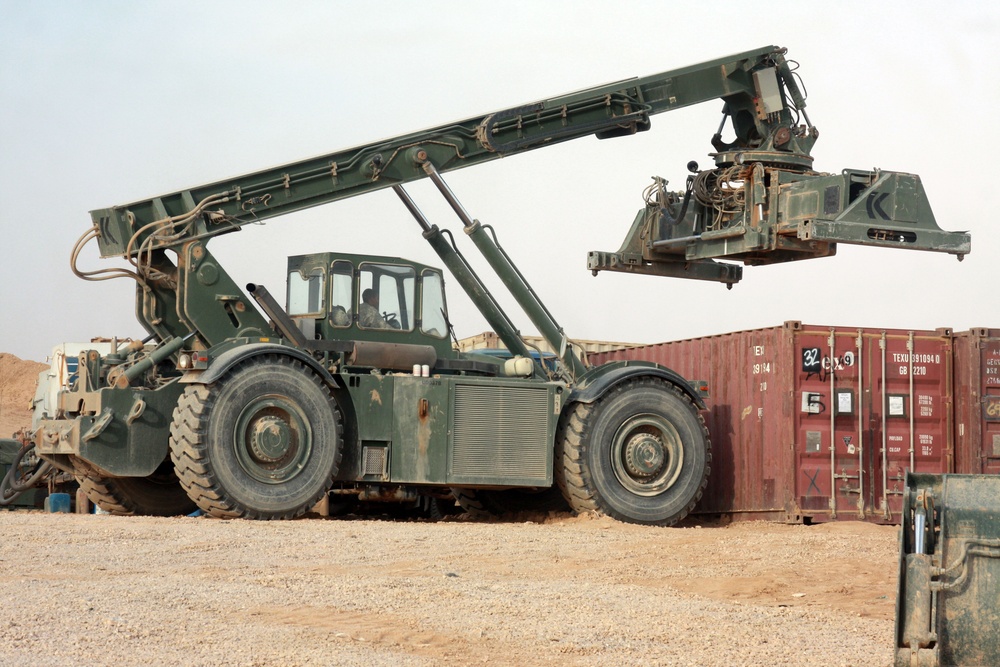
(977, 401)
(814, 423)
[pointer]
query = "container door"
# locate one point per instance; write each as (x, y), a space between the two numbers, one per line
(870, 405)
(910, 413)
(990, 365)
(831, 443)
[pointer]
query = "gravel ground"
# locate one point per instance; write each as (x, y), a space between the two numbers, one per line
(116, 591)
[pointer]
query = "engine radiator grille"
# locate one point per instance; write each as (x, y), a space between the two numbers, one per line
(501, 432)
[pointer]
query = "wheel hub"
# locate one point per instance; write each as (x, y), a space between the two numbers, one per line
(644, 455)
(270, 439)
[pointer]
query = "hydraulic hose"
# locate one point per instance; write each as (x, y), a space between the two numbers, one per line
(688, 189)
(10, 487)
(672, 220)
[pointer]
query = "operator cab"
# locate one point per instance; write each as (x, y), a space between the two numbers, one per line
(335, 296)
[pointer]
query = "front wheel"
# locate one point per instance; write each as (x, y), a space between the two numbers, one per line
(641, 453)
(160, 494)
(263, 442)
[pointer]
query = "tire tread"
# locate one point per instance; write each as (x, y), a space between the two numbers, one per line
(190, 456)
(571, 468)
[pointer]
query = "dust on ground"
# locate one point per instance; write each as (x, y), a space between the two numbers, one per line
(118, 591)
(532, 590)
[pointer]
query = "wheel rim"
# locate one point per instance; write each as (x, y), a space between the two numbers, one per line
(272, 439)
(647, 455)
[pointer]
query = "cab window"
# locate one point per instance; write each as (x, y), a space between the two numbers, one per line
(432, 311)
(306, 293)
(386, 297)
(341, 280)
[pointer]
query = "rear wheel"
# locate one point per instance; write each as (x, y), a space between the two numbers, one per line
(641, 453)
(160, 494)
(263, 442)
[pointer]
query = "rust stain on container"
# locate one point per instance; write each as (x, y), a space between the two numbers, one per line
(816, 423)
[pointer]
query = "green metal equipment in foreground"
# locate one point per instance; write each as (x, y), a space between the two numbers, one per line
(245, 408)
(948, 601)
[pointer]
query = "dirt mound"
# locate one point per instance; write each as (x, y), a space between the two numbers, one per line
(18, 379)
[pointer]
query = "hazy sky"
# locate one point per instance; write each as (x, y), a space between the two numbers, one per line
(104, 102)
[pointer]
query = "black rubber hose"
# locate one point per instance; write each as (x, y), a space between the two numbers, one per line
(10, 489)
(665, 215)
(7, 495)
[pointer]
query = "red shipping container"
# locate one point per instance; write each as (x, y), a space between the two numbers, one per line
(977, 401)
(814, 423)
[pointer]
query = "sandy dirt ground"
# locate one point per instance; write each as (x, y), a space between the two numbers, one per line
(555, 590)
(99, 590)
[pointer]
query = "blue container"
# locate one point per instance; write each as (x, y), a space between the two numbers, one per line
(57, 502)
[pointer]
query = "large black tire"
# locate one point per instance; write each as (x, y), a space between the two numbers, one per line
(489, 502)
(263, 442)
(160, 494)
(641, 453)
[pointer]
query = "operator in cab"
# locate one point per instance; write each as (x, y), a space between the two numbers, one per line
(368, 315)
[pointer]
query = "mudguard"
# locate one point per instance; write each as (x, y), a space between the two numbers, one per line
(228, 358)
(597, 381)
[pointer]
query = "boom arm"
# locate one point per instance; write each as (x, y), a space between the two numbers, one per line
(745, 81)
(761, 203)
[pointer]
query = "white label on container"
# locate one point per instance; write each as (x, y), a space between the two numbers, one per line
(845, 402)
